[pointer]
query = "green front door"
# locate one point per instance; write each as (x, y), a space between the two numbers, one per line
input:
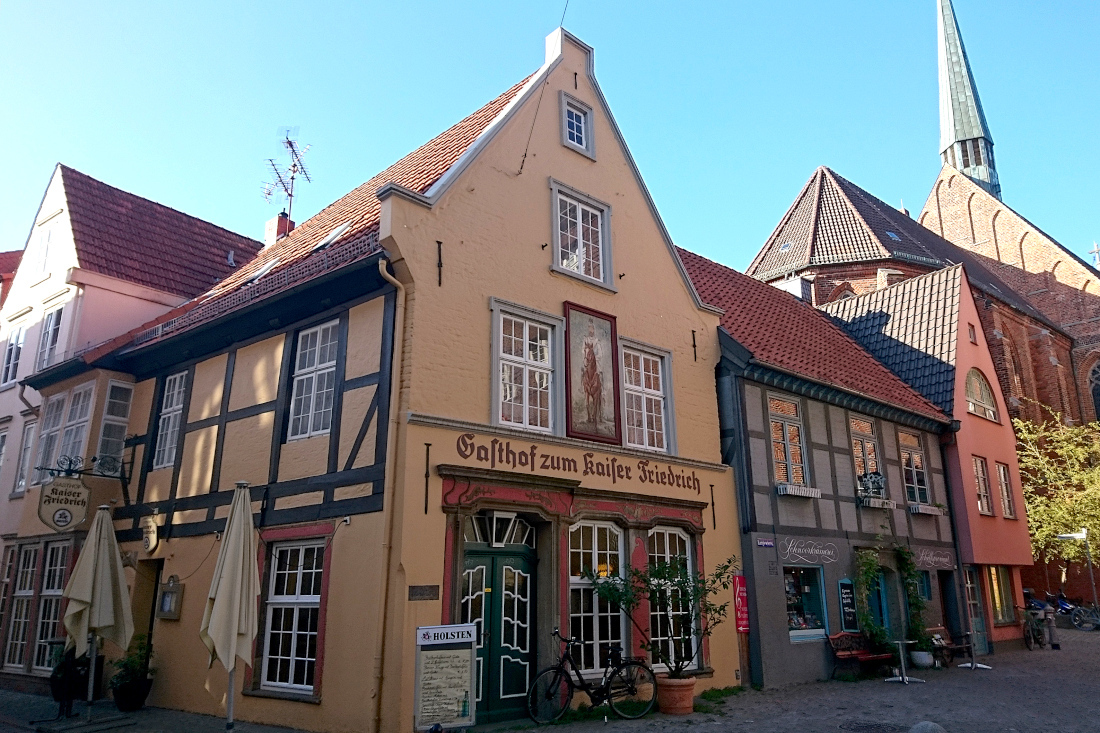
(498, 594)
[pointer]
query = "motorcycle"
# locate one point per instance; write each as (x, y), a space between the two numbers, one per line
(1061, 603)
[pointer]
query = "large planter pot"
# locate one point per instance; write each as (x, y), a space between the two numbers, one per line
(130, 696)
(675, 697)
(921, 660)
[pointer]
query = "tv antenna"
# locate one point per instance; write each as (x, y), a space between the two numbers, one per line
(282, 179)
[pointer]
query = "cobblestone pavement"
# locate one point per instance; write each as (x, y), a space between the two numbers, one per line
(1025, 692)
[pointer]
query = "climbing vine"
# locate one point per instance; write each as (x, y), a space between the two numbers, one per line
(866, 576)
(910, 578)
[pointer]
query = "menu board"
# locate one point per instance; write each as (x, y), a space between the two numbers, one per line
(445, 659)
(848, 619)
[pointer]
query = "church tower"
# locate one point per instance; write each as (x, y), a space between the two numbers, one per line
(965, 142)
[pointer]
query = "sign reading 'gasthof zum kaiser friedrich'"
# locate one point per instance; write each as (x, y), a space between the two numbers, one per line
(63, 503)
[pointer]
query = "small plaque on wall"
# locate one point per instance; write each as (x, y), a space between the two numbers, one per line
(170, 600)
(423, 592)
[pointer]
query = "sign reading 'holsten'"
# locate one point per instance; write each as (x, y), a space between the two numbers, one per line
(63, 503)
(530, 457)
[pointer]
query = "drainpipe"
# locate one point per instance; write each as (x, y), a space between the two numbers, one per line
(962, 606)
(389, 488)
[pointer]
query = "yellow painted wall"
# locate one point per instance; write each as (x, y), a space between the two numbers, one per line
(207, 388)
(256, 373)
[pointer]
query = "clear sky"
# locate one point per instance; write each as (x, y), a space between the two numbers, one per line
(728, 107)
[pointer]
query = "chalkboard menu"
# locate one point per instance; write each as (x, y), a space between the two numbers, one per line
(847, 595)
(445, 659)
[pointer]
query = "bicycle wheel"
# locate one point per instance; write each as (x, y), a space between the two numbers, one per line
(1040, 635)
(549, 695)
(1082, 619)
(632, 690)
(1029, 637)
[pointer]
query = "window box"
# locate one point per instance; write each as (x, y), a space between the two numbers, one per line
(875, 502)
(929, 509)
(797, 490)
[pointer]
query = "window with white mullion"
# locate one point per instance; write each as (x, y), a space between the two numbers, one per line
(669, 619)
(314, 386)
(52, 417)
(12, 352)
(49, 605)
(293, 615)
(112, 432)
(22, 598)
(597, 623)
(526, 373)
(47, 340)
(76, 423)
(912, 467)
(580, 239)
(575, 119)
(26, 447)
(7, 567)
(168, 425)
(645, 400)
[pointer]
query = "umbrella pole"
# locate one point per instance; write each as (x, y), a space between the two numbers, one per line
(229, 702)
(91, 671)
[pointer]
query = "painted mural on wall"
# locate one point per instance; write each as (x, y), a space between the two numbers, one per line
(592, 375)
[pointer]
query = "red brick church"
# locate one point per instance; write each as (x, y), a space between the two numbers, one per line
(1038, 302)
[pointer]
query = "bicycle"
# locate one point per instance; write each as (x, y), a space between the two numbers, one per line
(627, 686)
(1034, 633)
(1085, 618)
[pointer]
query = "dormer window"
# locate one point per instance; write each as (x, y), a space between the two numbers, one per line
(576, 126)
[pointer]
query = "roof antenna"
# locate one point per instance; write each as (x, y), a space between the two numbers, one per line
(282, 179)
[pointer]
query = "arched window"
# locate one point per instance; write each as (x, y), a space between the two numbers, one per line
(1094, 387)
(1016, 370)
(979, 396)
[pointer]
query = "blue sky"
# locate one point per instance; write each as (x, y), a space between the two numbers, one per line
(728, 107)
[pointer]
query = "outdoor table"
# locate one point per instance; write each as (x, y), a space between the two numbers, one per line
(904, 678)
(972, 664)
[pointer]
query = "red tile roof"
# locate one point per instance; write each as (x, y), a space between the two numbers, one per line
(295, 259)
(130, 238)
(792, 336)
(9, 261)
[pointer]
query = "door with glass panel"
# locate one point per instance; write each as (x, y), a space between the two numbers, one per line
(497, 590)
(976, 610)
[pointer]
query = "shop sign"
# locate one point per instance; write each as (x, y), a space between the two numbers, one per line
(741, 603)
(849, 621)
(446, 659)
(63, 503)
(927, 558)
(504, 455)
(807, 551)
(149, 535)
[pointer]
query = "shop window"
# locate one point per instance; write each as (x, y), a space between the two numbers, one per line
(1008, 507)
(293, 616)
(12, 352)
(912, 466)
(49, 603)
(22, 599)
(670, 620)
(112, 433)
(644, 388)
(314, 387)
(979, 396)
(865, 456)
(168, 426)
(597, 623)
(52, 417)
(805, 602)
(22, 471)
(981, 479)
(526, 359)
(47, 341)
(1000, 594)
(788, 460)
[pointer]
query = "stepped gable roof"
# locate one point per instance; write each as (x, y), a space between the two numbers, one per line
(130, 238)
(792, 336)
(834, 221)
(293, 259)
(912, 327)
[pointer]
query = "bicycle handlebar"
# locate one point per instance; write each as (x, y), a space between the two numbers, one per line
(566, 639)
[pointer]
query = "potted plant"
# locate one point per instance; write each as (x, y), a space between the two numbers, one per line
(920, 654)
(684, 603)
(133, 677)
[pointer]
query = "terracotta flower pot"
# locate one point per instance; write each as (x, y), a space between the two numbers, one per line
(675, 697)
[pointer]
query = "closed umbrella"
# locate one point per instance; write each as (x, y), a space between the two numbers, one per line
(229, 622)
(99, 602)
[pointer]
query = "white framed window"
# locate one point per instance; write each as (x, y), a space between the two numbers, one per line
(293, 616)
(595, 546)
(22, 598)
(12, 352)
(670, 622)
(581, 233)
(314, 381)
(3, 446)
(168, 425)
(76, 422)
(912, 467)
(7, 567)
(1008, 506)
(49, 603)
(526, 373)
(981, 478)
(112, 432)
(576, 126)
(979, 396)
(47, 340)
(644, 377)
(53, 415)
(788, 460)
(26, 445)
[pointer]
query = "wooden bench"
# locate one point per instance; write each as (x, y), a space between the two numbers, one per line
(945, 648)
(850, 647)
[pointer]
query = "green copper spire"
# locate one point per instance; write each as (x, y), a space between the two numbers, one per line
(965, 142)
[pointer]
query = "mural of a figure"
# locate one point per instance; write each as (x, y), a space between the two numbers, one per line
(592, 367)
(591, 379)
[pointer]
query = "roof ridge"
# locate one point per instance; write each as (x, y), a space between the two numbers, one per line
(782, 222)
(833, 176)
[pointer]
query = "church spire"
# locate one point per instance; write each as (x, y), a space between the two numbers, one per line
(965, 142)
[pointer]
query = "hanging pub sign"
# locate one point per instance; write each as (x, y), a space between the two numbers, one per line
(849, 621)
(149, 536)
(63, 503)
(446, 659)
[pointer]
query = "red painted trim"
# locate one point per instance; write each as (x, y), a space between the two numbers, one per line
(618, 439)
(449, 569)
(563, 582)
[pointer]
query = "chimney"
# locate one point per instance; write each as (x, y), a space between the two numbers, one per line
(277, 228)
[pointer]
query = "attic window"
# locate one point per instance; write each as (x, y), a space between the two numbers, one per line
(268, 267)
(784, 247)
(893, 236)
(332, 236)
(576, 125)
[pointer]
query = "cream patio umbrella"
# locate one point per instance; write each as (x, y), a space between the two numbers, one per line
(229, 623)
(99, 601)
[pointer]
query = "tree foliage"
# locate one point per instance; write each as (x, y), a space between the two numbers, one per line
(1060, 474)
